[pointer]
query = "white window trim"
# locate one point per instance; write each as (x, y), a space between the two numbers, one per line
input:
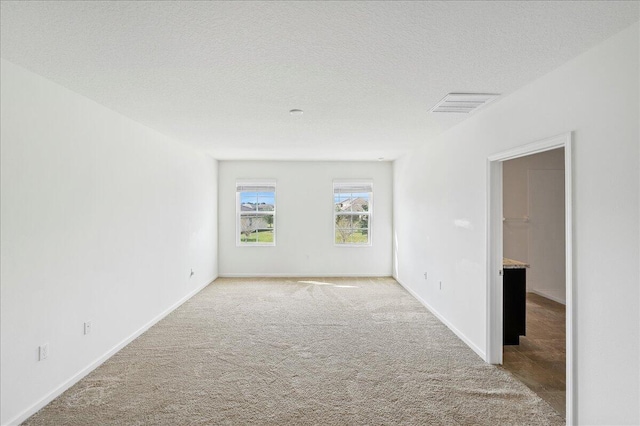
(256, 182)
(341, 182)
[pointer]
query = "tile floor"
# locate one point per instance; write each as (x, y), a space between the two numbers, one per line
(539, 360)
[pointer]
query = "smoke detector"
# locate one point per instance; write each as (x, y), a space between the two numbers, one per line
(464, 103)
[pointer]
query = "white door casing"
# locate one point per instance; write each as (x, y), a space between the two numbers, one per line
(494, 256)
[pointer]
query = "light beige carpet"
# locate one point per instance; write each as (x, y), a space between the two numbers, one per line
(298, 351)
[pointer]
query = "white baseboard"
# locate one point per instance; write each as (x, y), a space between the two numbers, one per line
(443, 320)
(300, 275)
(548, 296)
(24, 415)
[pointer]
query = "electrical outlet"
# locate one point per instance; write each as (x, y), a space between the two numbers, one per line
(43, 352)
(87, 327)
(440, 285)
(425, 275)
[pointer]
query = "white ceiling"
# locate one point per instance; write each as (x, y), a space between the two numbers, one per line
(222, 76)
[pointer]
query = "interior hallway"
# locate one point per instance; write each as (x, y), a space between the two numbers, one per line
(539, 361)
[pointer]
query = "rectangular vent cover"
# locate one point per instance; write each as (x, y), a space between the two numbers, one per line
(464, 103)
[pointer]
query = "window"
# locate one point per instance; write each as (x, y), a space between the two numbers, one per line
(256, 213)
(352, 203)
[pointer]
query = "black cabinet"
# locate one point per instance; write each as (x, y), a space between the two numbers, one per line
(514, 304)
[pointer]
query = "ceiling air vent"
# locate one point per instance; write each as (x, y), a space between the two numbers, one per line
(464, 103)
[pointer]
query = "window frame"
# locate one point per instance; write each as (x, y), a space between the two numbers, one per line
(257, 183)
(353, 182)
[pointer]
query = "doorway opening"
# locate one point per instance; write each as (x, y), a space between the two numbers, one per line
(534, 273)
(530, 304)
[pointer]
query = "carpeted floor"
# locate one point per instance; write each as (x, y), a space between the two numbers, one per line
(337, 351)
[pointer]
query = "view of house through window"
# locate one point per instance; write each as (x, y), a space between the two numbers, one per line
(352, 212)
(256, 213)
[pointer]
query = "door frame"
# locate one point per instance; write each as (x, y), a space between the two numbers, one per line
(495, 254)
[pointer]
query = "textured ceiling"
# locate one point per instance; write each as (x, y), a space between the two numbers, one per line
(222, 76)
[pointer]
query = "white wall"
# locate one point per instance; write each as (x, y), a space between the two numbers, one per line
(539, 241)
(304, 220)
(440, 215)
(102, 220)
